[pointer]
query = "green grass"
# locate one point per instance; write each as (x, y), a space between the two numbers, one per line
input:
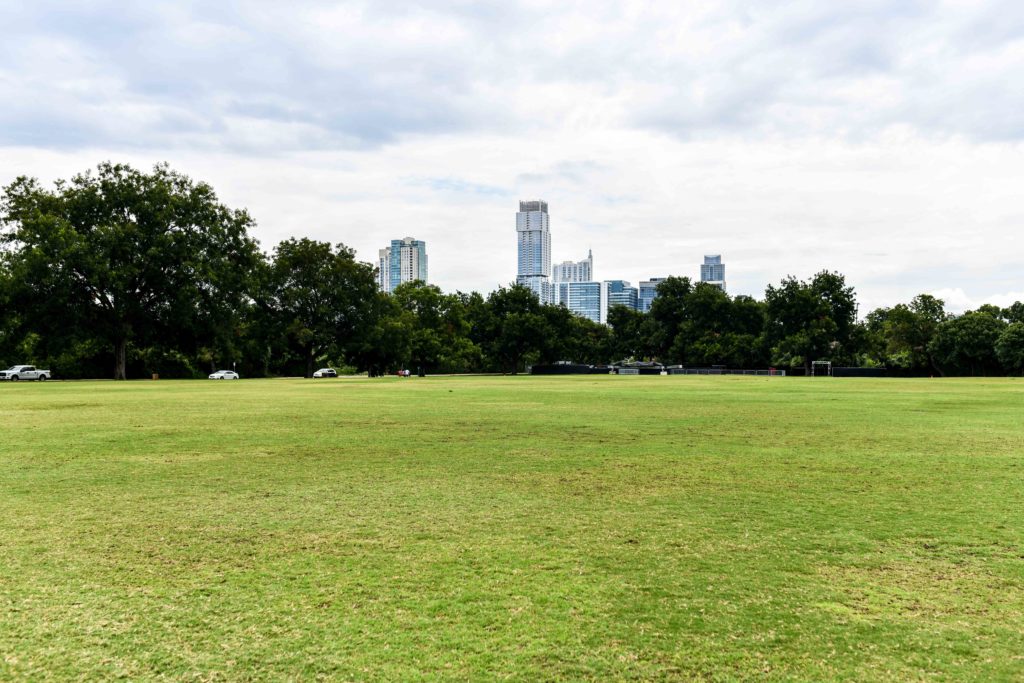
(719, 528)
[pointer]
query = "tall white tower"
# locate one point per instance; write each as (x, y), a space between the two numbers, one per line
(534, 238)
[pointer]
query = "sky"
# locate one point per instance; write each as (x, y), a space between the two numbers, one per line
(880, 139)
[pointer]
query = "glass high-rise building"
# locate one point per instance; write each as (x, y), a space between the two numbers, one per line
(593, 299)
(384, 269)
(648, 293)
(586, 299)
(533, 235)
(713, 271)
(574, 271)
(404, 261)
(621, 293)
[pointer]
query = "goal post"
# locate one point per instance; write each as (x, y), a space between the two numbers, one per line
(821, 368)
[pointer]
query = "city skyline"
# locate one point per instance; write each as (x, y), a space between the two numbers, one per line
(570, 283)
(880, 141)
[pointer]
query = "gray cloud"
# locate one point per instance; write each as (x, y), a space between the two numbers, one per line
(315, 74)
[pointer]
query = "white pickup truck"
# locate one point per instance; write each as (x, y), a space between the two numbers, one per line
(17, 372)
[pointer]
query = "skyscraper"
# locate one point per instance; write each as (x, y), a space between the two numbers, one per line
(586, 299)
(648, 293)
(621, 293)
(574, 271)
(404, 261)
(593, 299)
(534, 238)
(713, 271)
(384, 269)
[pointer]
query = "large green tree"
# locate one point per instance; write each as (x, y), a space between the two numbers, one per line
(706, 325)
(899, 337)
(322, 299)
(589, 342)
(1010, 348)
(385, 346)
(514, 329)
(669, 312)
(439, 331)
(573, 338)
(1014, 313)
(8, 314)
(810, 320)
(127, 257)
(967, 344)
(633, 334)
(699, 324)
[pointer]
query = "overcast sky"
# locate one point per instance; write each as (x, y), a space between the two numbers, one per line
(881, 139)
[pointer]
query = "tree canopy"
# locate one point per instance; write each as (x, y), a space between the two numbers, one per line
(810, 320)
(321, 298)
(127, 257)
(967, 344)
(124, 272)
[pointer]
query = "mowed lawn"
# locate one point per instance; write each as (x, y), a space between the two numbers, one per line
(523, 528)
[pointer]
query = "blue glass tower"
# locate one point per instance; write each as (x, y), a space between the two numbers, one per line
(648, 293)
(404, 261)
(621, 293)
(586, 299)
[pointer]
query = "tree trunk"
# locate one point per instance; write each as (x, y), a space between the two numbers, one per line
(121, 358)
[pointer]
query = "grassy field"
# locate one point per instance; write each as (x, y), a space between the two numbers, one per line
(719, 528)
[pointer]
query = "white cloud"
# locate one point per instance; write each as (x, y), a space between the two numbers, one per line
(881, 140)
(958, 301)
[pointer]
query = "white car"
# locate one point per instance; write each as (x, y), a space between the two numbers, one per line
(18, 372)
(325, 372)
(224, 374)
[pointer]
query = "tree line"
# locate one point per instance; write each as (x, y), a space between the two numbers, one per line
(124, 273)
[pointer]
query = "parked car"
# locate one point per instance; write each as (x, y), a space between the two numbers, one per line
(325, 372)
(19, 372)
(224, 374)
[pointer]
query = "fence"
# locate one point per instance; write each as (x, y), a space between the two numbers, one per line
(725, 371)
(569, 369)
(580, 369)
